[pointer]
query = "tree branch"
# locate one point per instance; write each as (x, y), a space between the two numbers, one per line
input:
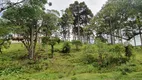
(129, 38)
(11, 5)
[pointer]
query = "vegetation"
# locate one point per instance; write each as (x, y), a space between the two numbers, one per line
(83, 64)
(77, 43)
(45, 51)
(66, 47)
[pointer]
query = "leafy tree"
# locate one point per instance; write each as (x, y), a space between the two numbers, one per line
(4, 34)
(8, 4)
(87, 33)
(65, 21)
(52, 42)
(118, 19)
(45, 41)
(50, 22)
(26, 17)
(49, 26)
(81, 16)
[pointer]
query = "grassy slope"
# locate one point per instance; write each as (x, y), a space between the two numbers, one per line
(13, 66)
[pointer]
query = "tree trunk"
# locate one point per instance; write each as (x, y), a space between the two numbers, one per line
(140, 35)
(52, 51)
(32, 44)
(78, 25)
(135, 41)
(0, 50)
(111, 38)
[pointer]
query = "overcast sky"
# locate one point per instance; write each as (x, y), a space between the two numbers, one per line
(94, 5)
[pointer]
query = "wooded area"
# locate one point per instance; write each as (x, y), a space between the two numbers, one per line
(74, 45)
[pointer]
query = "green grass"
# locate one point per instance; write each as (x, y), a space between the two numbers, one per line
(15, 66)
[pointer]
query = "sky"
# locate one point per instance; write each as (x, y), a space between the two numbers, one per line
(94, 5)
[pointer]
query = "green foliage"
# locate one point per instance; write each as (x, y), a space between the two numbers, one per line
(45, 40)
(52, 41)
(82, 10)
(7, 44)
(77, 43)
(25, 19)
(117, 50)
(50, 22)
(57, 40)
(4, 44)
(66, 47)
(5, 27)
(73, 78)
(102, 49)
(88, 56)
(14, 66)
(110, 54)
(111, 15)
(128, 51)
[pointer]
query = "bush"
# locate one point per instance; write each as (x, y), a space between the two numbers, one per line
(66, 47)
(60, 76)
(128, 51)
(88, 58)
(102, 50)
(77, 43)
(117, 50)
(57, 40)
(123, 72)
(73, 78)
(88, 55)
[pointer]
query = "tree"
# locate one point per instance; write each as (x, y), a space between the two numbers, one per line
(117, 18)
(82, 16)
(26, 17)
(49, 26)
(52, 42)
(65, 21)
(8, 4)
(87, 33)
(50, 23)
(4, 34)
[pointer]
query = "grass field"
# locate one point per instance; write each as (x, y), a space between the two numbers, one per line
(15, 66)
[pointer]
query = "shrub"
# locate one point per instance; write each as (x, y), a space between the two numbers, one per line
(128, 51)
(4, 44)
(73, 78)
(60, 76)
(57, 40)
(102, 50)
(88, 58)
(88, 55)
(123, 72)
(66, 47)
(77, 43)
(117, 50)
